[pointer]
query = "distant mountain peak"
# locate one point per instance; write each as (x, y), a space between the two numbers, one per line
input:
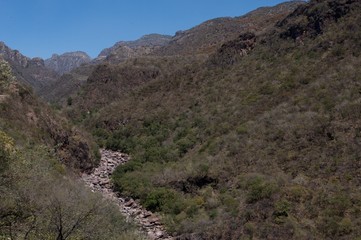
(67, 61)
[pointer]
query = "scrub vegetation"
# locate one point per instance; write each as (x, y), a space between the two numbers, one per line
(260, 139)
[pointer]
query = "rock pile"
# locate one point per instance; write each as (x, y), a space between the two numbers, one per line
(99, 181)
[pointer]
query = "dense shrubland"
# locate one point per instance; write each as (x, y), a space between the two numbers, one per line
(40, 153)
(39, 200)
(263, 145)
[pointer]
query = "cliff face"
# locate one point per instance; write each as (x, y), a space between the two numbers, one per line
(31, 72)
(13, 55)
(66, 62)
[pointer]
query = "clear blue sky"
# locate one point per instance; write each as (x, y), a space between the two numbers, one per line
(42, 27)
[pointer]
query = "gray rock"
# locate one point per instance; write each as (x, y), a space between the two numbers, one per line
(66, 62)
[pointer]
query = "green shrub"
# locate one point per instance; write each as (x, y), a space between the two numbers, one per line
(184, 145)
(6, 148)
(123, 169)
(282, 209)
(258, 189)
(242, 129)
(164, 200)
(6, 75)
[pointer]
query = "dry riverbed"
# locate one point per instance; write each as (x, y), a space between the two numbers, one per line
(99, 181)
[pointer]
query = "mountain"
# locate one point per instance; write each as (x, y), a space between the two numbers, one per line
(217, 31)
(26, 118)
(210, 35)
(67, 85)
(256, 136)
(31, 72)
(71, 81)
(66, 62)
(13, 55)
(124, 50)
(140, 69)
(41, 156)
(257, 139)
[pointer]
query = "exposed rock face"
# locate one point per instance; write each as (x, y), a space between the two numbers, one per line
(128, 49)
(13, 55)
(66, 62)
(36, 62)
(99, 180)
(233, 50)
(31, 72)
(310, 20)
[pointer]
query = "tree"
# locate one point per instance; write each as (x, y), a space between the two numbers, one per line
(68, 215)
(41, 201)
(6, 75)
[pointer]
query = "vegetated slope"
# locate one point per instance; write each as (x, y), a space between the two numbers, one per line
(66, 62)
(116, 78)
(210, 35)
(261, 145)
(67, 85)
(110, 82)
(202, 39)
(39, 151)
(124, 50)
(28, 120)
(31, 72)
(63, 90)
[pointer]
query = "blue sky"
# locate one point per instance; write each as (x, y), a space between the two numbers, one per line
(38, 28)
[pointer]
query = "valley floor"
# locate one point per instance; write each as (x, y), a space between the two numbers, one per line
(99, 181)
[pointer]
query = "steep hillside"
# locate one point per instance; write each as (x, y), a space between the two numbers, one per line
(205, 38)
(31, 72)
(26, 119)
(159, 50)
(124, 50)
(117, 81)
(40, 198)
(210, 35)
(67, 85)
(260, 141)
(66, 62)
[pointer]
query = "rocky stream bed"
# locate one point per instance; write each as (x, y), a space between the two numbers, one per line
(99, 181)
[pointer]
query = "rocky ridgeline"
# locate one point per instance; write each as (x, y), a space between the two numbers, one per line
(99, 181)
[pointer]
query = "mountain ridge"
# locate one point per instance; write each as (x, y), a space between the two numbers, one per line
(66, 62)
(256, 140)
(167, 46)
(124, 50)
(256, 135)
(31, 72)
(206, 37)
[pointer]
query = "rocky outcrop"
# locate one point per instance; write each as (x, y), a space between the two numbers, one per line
(310, 20)
(99, 181)
(66, 62)
(230, 52)
(124, 50)
(13, 55)
(31, 72)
